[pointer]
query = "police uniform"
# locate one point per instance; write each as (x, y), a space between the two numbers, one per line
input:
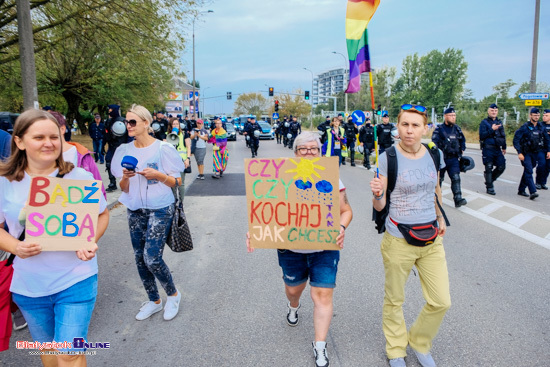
(351, 131)
(285, 128)
(385, 139)
(114, 142)
(322, 128)
(532, 141)
(493, 143)
(294, 129)
(450, 139)
(366, 136)
(545, 178)
(254, 142)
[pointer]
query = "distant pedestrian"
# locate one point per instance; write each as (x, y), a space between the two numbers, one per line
(218, 137)
(366, 138)
(546, 122)
(160, 126)
(492, 139)
(184, 149)
(384, 133)
(200, 136)
(322, 128)
(351, 136)
(336, 138)
(533, 147)
(147, 193)
(55, 290)
(97, 133)
(317, 266)
(253, 132)
(116, 134)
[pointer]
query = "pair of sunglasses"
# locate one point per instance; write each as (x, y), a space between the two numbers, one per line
(408, 106)
(132, 123)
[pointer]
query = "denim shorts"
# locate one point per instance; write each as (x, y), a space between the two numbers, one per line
(62, 316)
(319, 267)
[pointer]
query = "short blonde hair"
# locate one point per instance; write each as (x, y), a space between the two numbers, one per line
(412, 110)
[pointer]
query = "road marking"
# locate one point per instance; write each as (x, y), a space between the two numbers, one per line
(488, 209)
(499, 179)
(512, 225)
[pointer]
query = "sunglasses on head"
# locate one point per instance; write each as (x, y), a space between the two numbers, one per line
(409, 106)
(132, 123)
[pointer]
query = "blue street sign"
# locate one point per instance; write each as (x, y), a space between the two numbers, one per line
(525, 96)
(275, 115)
(358, 117)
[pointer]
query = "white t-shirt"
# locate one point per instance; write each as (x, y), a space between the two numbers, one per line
(342, 188)
(71, 156)
(49, 272)
(201, 143)
(143, 193)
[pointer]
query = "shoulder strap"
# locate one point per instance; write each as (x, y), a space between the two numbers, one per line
(434, 153)
(392, 170)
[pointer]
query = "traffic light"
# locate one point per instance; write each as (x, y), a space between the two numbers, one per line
(379, 110)
(228, 95)
(276, 106)
(307, 95)
(271, 91)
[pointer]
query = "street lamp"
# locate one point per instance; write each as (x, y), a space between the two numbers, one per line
(203, 96)
(194, 80)
(311, 113)
(346, 76)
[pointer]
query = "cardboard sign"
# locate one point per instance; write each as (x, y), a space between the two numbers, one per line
(61, 214)
(293, 203)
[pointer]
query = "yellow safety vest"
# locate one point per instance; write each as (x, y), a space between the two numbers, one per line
(181, 148)
(329, 140)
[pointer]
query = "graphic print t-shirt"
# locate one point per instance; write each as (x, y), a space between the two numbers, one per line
(412, 200)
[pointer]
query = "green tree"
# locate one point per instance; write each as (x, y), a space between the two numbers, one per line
(251, 104)
(294, 105)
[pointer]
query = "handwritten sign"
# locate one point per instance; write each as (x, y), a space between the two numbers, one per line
(293, 203)
(61, 214)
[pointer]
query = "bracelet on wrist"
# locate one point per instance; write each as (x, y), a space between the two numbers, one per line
(378, 197)
(343, 226)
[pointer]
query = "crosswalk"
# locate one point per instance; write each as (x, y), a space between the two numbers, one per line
(525, 223)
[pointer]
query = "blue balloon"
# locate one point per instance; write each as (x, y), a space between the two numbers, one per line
(324, 186)
(303, 185)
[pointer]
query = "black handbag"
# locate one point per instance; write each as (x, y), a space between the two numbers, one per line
(179, 238)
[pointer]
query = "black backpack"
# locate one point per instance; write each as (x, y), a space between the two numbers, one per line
(379, 217)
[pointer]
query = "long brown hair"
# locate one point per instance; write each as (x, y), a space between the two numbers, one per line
(15, 165)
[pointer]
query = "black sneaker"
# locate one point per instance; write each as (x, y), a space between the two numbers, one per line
(533, 196)
(110, 188)
(491, 191)
(544, 187)
(523, 193)
(19, 321)
(352, 164)
(292, 315)
(538, 186)
(320, 354)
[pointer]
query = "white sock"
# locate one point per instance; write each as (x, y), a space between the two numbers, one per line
(320, 345)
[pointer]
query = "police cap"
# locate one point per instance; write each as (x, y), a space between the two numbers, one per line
(449, 110)
(493, 105)
(534, 110)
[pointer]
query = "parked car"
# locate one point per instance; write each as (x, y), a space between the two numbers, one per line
(267, 131)
(231, 132)
(7, 119)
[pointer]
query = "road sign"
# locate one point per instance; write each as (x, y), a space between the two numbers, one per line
(358, 117)
(533, 102)
(534, 96)
(367, 114)
(275, 115)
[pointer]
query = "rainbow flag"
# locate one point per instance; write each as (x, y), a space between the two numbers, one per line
(358, 16)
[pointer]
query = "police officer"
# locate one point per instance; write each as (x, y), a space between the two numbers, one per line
(285, 130)
(546, 124)
(160, 133)
(492, 139)
(276, 127)
(245, 132)
(323, 126)
(351, 137)
(254, 141)
(114, 140)
(384, 133)
(531, 142)
(366, 138)
(449, 138)
(295, 129)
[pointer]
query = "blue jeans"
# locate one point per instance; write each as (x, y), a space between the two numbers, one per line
(62, 316)
(98, 150)
(149, 229)
(319, 267)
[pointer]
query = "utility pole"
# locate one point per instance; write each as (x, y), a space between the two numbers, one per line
(26, 55)
(533, 81)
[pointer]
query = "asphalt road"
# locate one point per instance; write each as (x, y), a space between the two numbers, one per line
(233, 306)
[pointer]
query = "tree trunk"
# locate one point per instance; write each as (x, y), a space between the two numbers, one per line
(74, 101)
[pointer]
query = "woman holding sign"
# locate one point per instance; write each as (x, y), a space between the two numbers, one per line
(55, 290)
(414, 234)
(319, 266)
(147, 193)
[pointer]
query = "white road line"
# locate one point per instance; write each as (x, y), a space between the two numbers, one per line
(520, 219)
(472, 195)
(488, 209)
(499, 179)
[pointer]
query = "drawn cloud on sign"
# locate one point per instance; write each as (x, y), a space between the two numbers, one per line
(323, 186)
(303, 185)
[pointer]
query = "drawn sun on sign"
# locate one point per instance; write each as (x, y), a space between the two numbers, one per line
(305, 169)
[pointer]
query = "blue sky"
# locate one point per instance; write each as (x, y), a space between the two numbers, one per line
(246, 44)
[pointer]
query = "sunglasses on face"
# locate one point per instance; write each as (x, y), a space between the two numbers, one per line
(408, 106)
(131, 123)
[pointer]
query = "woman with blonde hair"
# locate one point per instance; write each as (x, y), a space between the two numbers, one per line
(147, 193)
(55, 290)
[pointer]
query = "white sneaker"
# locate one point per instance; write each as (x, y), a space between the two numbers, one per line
(398, 362)
(320, 354)
(426, 360)
(172, 306)
(292, 315)
(147, 309)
